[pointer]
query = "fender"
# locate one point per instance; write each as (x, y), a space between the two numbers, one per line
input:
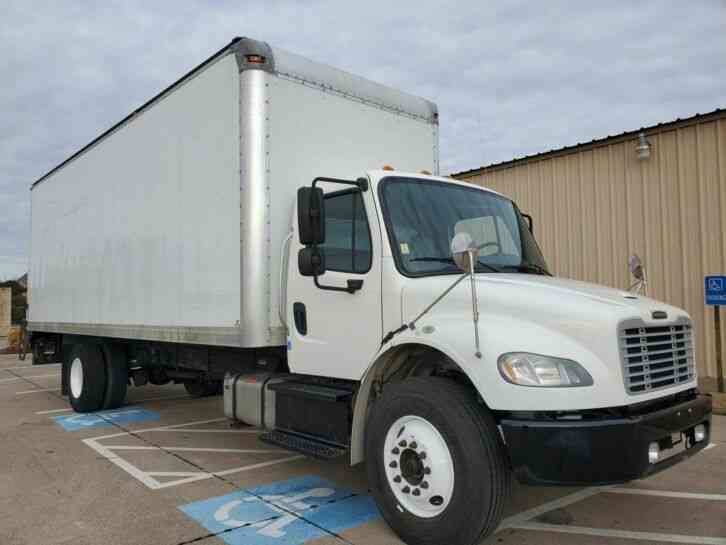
(380, 361)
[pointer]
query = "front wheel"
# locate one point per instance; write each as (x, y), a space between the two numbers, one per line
(436, 463)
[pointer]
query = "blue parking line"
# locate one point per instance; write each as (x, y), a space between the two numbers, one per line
(102, 419)
(271, 514)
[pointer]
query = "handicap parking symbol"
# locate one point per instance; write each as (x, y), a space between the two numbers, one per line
(101, 419)
(288, 512)
(714, 290)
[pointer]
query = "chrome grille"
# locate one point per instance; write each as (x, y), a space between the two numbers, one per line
(656, 357)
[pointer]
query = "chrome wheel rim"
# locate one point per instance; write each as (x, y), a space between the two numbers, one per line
(76, 379)
(419, 467)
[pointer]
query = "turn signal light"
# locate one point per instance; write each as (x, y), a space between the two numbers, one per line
(388, 167)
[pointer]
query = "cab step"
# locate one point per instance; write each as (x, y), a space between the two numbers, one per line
(310, 446)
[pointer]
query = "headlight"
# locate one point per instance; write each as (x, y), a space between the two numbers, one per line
(527, 369)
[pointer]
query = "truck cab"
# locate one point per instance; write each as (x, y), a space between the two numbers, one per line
(446, 380)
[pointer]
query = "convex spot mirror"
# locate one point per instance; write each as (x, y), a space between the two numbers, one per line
(311, 215)
(635, 264)
(311, 261)
(463, 251)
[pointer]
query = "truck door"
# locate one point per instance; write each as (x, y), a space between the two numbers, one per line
(333, 332)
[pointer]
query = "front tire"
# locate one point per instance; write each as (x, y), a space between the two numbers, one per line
(86, 378)
(436, 463)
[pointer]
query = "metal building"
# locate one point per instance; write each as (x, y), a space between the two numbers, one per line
(659, 192)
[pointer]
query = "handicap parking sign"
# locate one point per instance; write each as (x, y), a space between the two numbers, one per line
(104, 419)
(715, 290)
(288, 512)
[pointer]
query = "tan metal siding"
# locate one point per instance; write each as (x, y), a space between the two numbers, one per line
(594, 206)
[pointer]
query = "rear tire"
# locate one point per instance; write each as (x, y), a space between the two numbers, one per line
(117, 375)
(203, 388)
(436, 463)
(86, 378)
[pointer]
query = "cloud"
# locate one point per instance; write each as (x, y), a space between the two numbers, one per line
(510, 78)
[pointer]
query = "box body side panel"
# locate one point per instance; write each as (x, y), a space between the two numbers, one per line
(314, 132)
(142, 231)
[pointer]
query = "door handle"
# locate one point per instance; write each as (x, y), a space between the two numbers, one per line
(301, 318)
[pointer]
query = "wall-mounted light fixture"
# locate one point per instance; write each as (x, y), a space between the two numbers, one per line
(643, 147)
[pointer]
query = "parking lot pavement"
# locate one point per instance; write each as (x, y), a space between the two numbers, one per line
(169, 469)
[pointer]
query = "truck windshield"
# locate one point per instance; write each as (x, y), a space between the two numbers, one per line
(422, 216)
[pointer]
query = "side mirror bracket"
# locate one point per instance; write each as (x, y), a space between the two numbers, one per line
(311, 231)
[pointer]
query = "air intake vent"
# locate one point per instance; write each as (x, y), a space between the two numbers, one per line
(656, 357)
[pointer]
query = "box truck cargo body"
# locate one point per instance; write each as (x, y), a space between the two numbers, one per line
(169, 227)
(238, 233)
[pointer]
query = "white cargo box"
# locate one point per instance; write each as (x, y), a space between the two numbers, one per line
(169, 226)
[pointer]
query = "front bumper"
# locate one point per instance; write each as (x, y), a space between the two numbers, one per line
(606, 451)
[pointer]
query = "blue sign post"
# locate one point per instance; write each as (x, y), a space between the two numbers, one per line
(715, 293)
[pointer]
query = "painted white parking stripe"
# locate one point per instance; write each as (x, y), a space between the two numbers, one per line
(19, 367)
(134, 402)
(24, 392)
(668, 494)
(52, 411)
(194, 449)
(202, 476)
(151, 478)
(19, 379)
(623, 534)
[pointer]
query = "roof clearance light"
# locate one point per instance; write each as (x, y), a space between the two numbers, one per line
(388, 167)
(255, 59)
(425, 172)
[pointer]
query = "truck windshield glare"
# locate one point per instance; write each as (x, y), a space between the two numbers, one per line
(423, 216)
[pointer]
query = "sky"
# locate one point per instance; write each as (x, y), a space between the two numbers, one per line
(510, 78)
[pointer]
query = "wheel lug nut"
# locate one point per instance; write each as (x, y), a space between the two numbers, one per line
(405, 490)
(424, 485)
(413, 445)
(393, 464)
(416, 492)
(427, 470)
(402, 444)
(397, 479)
(395, 450)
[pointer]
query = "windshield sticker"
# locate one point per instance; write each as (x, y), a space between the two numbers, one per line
(404, 248)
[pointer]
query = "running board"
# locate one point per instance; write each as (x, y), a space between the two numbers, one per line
(304, 444)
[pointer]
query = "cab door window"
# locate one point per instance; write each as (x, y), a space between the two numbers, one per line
(347, 236)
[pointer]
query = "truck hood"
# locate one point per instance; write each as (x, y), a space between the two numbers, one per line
(539, 314)
(540, 296)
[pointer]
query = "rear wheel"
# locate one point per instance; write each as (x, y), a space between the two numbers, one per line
(435, 462)
(86, 378)
(117, 375)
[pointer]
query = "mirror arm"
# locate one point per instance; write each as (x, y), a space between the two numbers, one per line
(353, 286)
(360, 183)
(474, 303)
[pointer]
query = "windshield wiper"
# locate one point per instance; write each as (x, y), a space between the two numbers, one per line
(451, 260)
(531, 268)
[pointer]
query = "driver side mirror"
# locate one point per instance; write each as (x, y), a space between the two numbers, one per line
(311, 261)
(311, 215)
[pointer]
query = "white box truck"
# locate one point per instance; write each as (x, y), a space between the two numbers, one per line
(232, 229)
